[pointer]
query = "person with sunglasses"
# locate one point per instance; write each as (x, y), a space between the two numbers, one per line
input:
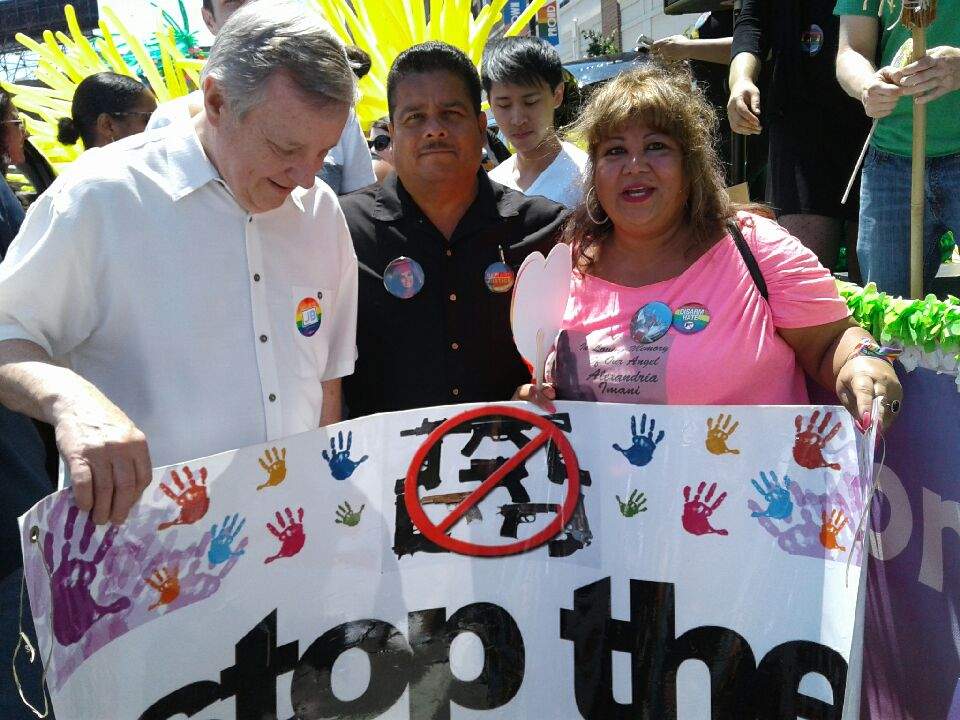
(381, 148)
(13, 138)
(106, 107)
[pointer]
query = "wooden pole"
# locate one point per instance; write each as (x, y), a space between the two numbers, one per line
(917, 182)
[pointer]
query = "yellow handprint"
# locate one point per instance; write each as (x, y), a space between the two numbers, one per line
(275, 467)
(718, 433)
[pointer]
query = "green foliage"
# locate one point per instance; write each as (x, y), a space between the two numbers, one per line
(599, 44)
(927, 324)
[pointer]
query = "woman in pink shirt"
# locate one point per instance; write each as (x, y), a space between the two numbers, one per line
(664, 306)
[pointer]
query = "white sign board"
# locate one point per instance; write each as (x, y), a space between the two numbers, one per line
(291, 579)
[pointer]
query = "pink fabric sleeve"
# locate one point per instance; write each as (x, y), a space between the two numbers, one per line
(802, 292)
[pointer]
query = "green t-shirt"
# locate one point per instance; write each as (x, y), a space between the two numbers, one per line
(894, 132)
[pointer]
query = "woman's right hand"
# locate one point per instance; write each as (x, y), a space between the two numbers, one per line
(542, 398)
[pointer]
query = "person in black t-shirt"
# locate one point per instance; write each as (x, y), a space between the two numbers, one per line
(438, 246)
(816, 130)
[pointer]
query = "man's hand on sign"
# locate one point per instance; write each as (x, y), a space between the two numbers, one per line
(880, 93)
(934, 75)
(106, 454)
(542, 398)
(743, 108)
(674, 47)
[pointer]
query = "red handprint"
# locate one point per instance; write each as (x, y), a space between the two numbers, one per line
(166, 583)
(809, 444)
(696, 512)
(290, 534)
(192, 498)
(831, 529)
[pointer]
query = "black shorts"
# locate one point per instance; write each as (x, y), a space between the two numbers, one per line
(812, 155)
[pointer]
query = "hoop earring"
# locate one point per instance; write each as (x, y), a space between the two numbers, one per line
(590, 214)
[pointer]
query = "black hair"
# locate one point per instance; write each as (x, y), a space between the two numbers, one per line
(433, 56)
(382, 123)
(521, 61)
(104, 92)
(359, 61)
(208, 5)
(6, 111)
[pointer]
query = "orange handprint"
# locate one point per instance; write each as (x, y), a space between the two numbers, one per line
(810, 442)
(192, 498)
(831, 529)
(275, 467)
(166, 583)
(719, 433)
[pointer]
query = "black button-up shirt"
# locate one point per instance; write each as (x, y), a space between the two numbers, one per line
(451, 342)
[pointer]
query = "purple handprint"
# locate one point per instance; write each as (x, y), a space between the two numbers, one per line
(74, 608)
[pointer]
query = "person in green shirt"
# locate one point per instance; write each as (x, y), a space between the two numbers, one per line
(870, 29)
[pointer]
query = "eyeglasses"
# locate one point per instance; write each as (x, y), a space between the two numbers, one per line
(18, 122)
(379, 143)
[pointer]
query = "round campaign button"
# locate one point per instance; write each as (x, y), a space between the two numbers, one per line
(403, 278)
(690, 318)
(309, 316)
(651, 322)
(499, 277)
(812, 40)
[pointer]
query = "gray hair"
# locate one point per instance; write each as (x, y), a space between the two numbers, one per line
(265, 36)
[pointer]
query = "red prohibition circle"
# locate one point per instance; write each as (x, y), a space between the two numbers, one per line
(437, 533)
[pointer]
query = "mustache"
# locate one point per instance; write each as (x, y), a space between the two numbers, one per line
(436, 146)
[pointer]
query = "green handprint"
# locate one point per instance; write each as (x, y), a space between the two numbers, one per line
(636, 503)
(347, 516)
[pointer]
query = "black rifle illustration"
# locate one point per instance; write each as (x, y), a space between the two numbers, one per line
(407, 540)
(452, 499)
(480, 470)
(525, 512)
(506, 429)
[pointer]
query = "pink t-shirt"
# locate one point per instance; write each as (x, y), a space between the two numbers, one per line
(737, 358)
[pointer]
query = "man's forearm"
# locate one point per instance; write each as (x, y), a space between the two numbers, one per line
(745, 66)
(30, 382)
(331, 411)
(853, 71)
(713, 51)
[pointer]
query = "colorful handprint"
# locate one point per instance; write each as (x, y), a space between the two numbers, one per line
(779, 504)
(341, 466)
(640, 452)
(221, 543)
(718, 432)
(289, 533)
(347, 516)
(831, 529)
(697, 512)
(636, 503)
(192, 497)
(275, 467)
(811, 441)
(165, 581)
(74, 608)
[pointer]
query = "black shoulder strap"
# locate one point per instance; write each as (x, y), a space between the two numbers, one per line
(747, 254)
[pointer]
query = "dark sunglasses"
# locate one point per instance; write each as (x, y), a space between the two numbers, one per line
(379, 143)
(18, 122)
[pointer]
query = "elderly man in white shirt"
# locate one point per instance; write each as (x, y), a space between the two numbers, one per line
(192, 289)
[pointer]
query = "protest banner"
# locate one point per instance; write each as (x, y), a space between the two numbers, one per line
(298, 578)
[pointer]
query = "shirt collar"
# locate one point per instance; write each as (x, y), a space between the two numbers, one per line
(189, 168)
(493, 200)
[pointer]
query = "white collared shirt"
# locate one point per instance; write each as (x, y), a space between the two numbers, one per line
(138, 270)
(561, 181)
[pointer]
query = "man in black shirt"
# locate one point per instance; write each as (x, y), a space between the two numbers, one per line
(438, 245)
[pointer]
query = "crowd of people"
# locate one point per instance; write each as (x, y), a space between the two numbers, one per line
(196, 288)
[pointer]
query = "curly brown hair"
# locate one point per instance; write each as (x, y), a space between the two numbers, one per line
(6, 113)
(664, 98)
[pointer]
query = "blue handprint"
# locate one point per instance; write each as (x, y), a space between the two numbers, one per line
(779, 503)
(641, 452)
(341, 466)
(220, 550)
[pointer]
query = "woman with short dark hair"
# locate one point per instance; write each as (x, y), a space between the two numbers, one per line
(13, 138)
(106, 107)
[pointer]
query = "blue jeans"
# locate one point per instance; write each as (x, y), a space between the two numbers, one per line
(883, 246)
